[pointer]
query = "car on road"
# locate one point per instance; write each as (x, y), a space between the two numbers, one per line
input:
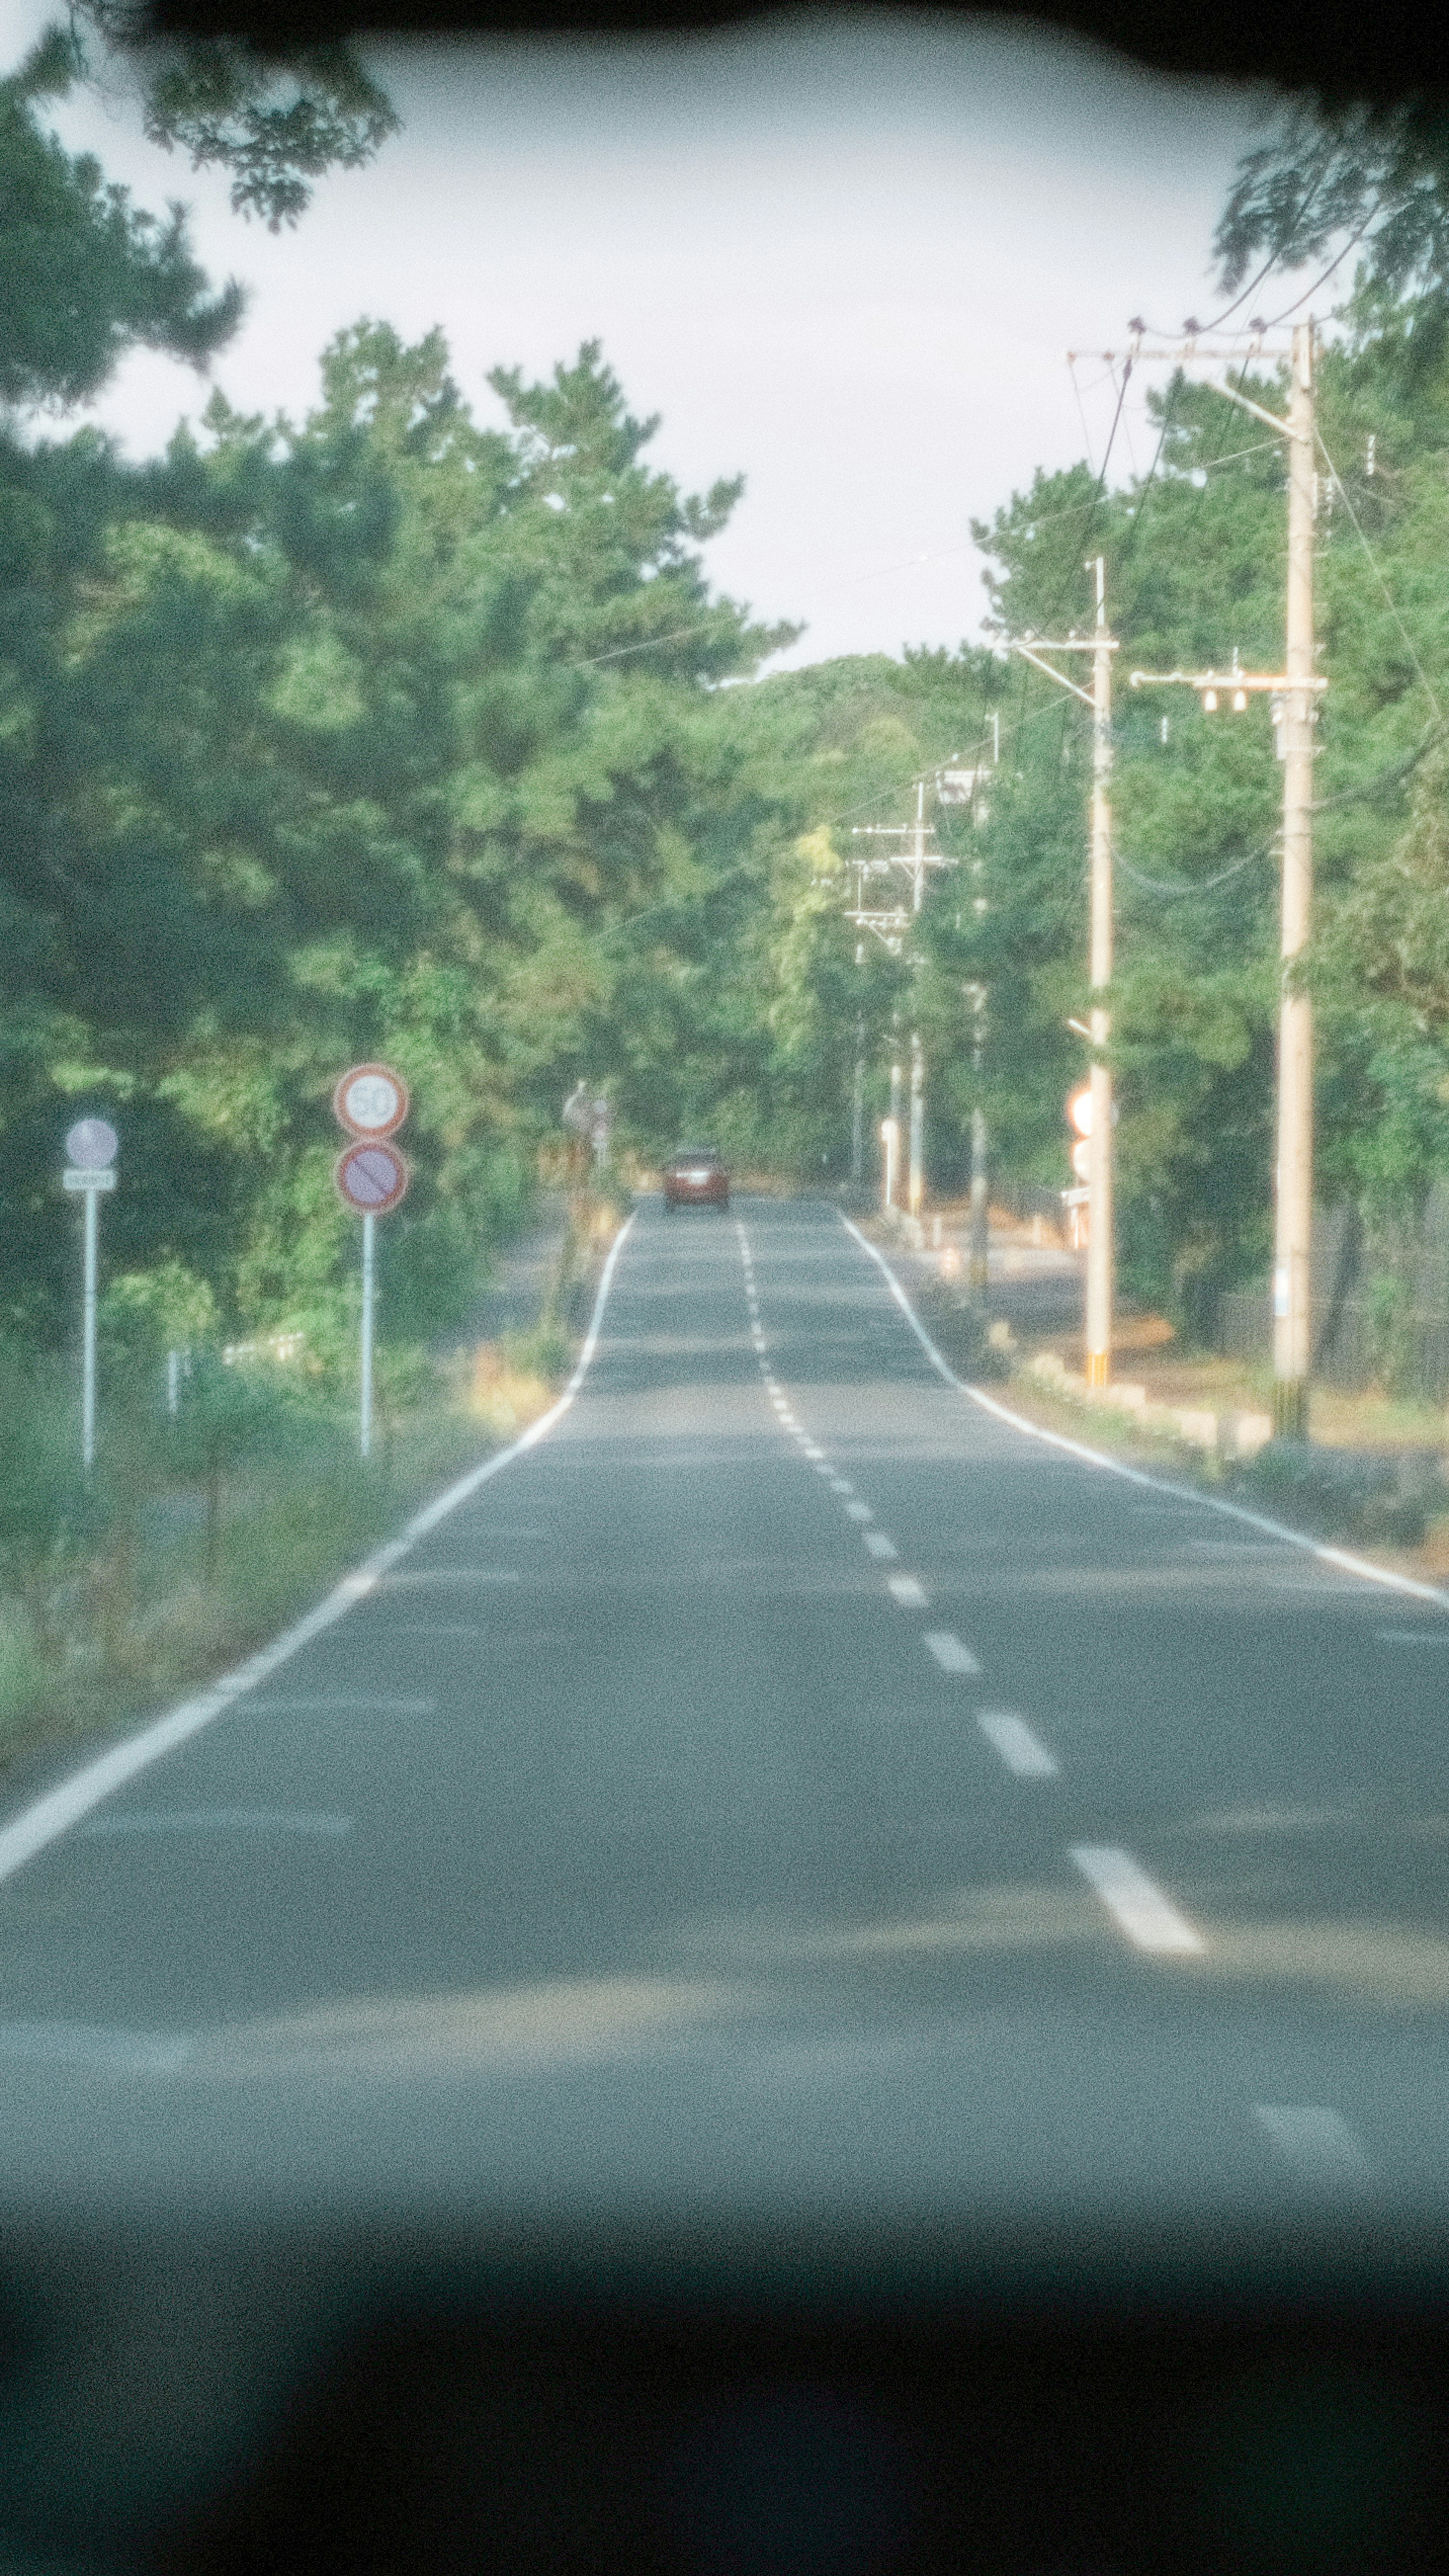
(695, 1177)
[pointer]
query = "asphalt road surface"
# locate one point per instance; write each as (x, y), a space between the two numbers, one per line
(786, 1784)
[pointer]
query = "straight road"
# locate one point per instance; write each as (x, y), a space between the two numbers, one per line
(787, 1783)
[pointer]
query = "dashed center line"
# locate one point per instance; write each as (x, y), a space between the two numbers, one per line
(908, 1590)
(1150, 1920)
(879, 1544)
(949, 1652)
(859, 1512)
(1020, 1749)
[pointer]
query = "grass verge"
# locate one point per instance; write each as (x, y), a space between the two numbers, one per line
(203, 1534)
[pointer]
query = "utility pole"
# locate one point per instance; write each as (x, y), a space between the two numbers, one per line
(962, 787)
(1296, 688)
(916, 1181)
(891, 925)
(978, 1241)
(1101, 1257)
(1293, 1226)
(1101, 1262)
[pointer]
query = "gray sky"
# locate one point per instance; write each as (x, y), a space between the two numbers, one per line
(845, 258)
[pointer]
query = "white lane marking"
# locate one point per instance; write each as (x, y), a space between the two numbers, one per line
(69, 2043)
(949, 1652)
(1337, 1556)
(841, 1485)
(809, 1450)
(1150, 1920)
(879, 1544)
(824, 1468)
(52, 1815)
(1413, 1636)
(1314, 2138)
(219, 1820)
(859, 1512)
(908, 1590)
(1020, 1749)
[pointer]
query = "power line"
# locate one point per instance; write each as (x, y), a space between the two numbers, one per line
(1377, 571)
(1167, 887)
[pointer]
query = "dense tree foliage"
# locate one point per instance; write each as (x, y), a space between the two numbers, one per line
(394, 731)
(1346, 178)
(1195, 552)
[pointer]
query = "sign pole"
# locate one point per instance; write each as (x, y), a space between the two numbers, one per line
(369, 1228)
(88, 1333)
(91, 1145)
(371, 1102)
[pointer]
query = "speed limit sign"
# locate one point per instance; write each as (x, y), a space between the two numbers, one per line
(371, 1100)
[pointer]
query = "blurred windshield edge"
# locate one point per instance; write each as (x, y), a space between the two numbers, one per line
(1335, 49)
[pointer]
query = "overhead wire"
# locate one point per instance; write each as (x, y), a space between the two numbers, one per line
(1176, 886)
(1378, 573)
(1274, 259)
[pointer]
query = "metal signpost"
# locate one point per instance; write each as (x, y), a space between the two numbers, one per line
(92, 1145)
(371, 1102)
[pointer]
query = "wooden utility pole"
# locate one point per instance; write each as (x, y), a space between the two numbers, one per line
(892, 924)
(1297, 687)
(1101, 1263)
(1293, 1216)
(1101, 1256)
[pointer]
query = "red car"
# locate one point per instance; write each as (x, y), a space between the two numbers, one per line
(695, 1177)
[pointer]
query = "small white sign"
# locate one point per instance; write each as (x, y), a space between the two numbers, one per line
(100, 1178)
(92, 1142)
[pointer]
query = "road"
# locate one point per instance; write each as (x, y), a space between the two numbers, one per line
(789, 1783)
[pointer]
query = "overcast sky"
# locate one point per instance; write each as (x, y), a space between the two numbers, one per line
(845, 258)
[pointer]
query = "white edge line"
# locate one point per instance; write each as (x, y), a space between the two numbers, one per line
(61, 1807)
(1347, 1563)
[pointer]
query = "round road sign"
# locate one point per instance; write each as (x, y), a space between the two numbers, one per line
(92, 1143)
(371, 1177)
(371, 1100)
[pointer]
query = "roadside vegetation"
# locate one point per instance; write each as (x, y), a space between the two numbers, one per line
(204, 1529)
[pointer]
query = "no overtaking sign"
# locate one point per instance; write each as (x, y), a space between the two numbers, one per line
(371, 1178)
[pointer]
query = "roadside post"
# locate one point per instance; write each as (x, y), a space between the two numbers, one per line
(92, 1145)
(370, 1102)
